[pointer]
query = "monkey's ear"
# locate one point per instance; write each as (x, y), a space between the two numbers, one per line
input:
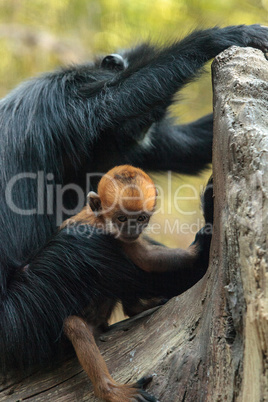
(94, 201)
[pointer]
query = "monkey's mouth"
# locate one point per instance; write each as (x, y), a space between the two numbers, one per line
(128, 238)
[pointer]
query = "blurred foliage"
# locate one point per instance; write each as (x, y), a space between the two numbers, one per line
(39, 35)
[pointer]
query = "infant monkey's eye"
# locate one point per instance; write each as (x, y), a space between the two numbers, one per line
(122, 218)
(142, 218)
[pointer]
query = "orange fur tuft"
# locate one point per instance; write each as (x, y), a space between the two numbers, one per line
(127, 188)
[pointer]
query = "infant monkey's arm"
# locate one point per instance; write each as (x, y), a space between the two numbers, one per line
(152, 258)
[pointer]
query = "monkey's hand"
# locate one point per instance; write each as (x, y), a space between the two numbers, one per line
(202, 243)
(255, 36)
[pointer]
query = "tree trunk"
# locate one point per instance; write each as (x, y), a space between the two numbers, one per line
(210, 343)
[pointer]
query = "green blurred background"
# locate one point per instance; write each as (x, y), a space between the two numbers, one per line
(37, 36)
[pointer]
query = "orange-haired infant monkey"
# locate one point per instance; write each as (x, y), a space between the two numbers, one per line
(123, 207)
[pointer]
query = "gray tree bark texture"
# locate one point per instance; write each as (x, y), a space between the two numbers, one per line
(210, 343)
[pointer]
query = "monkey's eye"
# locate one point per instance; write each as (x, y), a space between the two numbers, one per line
(113, 62)
(122, 218)
(142, 218)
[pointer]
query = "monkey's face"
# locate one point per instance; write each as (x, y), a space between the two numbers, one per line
(128, 226)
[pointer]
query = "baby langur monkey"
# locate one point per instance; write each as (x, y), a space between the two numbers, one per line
(123, 207)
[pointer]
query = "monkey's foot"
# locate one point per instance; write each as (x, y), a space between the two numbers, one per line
(115, 392)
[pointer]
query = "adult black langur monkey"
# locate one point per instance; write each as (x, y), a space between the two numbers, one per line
(55, 129)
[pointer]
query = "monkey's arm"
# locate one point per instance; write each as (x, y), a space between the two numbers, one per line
(135, 101)
(139, 95)
(157, 258)
(151, 258)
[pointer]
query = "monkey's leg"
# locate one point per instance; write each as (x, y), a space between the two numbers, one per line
(183, 148)
(81, 336)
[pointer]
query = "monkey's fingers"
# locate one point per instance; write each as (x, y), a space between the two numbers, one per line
(144, 381)
(143, 396)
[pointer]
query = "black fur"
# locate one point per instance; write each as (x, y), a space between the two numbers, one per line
(87, 119)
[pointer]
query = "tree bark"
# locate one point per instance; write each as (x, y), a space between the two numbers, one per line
(241, 188)
(210, 343)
